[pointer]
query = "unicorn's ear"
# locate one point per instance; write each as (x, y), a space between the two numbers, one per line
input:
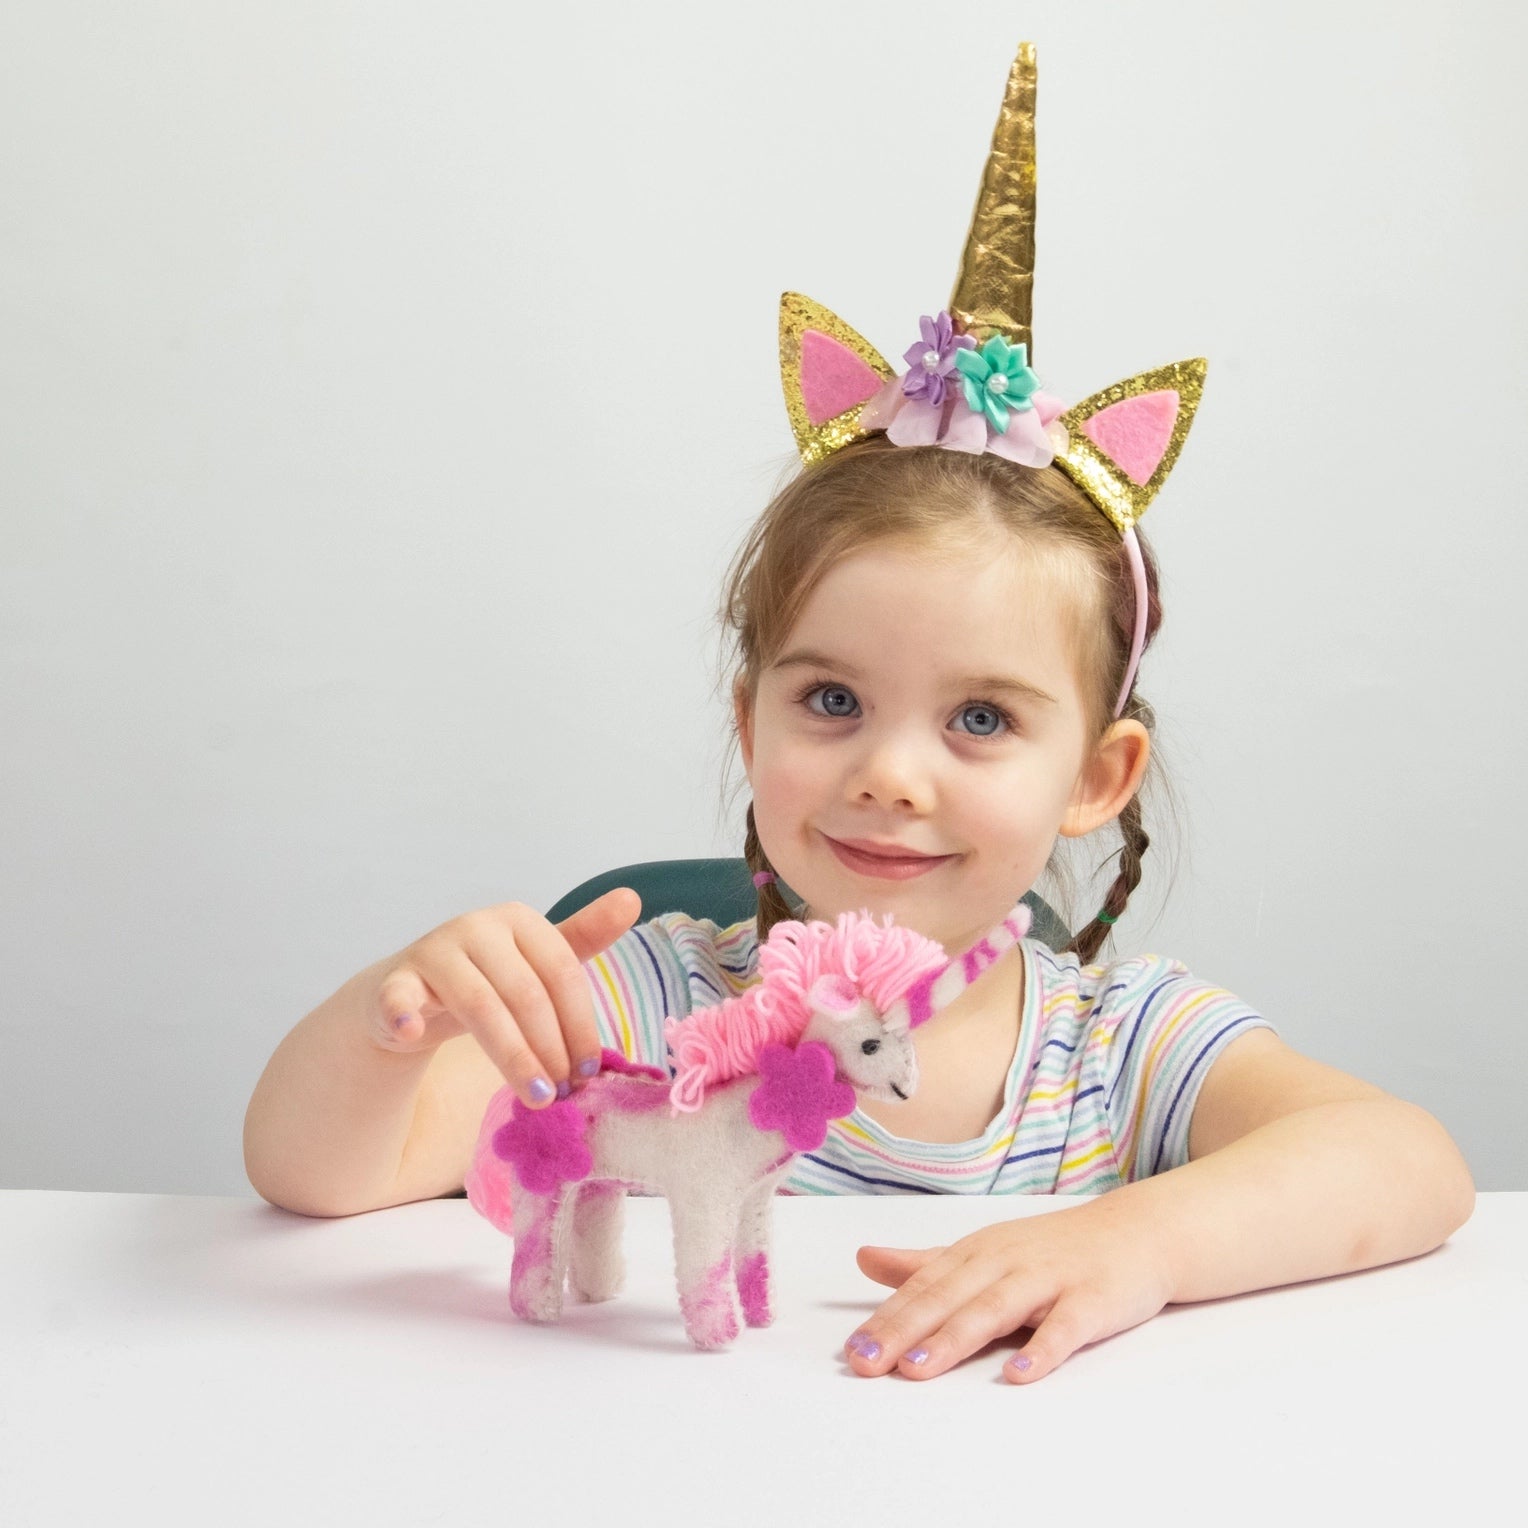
(1121, 443)
(828, 372)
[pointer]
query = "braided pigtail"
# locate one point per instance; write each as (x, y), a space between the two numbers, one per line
(1088, 939)
(773, 908)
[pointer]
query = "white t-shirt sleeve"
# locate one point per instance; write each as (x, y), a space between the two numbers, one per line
(1160, 1029)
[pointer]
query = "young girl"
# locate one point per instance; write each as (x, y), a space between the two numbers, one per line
(938, 626)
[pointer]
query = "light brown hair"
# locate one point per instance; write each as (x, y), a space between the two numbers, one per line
(872, 491)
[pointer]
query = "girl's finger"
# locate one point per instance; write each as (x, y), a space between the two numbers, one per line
(498, 952)
(995, 1311)
(918, 1309)
(894, 1265)
(475, 1003)
(598, 925)
(1072, 1322)
(398, 1015)
(566, 986)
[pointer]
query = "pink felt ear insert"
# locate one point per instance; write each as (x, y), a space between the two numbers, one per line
(834, 993)
(833, 378)
(1134, 434)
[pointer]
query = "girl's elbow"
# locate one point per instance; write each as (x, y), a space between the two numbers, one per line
(1455, 1195)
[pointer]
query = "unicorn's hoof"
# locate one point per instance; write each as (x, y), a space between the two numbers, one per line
(753, 1290)
(544, 1305)
(713, 1334)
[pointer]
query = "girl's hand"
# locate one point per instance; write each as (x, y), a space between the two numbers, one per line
(514, 982)
(1075, 1275)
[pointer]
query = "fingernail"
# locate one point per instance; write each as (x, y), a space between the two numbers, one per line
(564, 1088)
(590, 1067)
(1021, 1361)
(541, 1090)
(917, 1356)
(401, 1020)
(862, 1345)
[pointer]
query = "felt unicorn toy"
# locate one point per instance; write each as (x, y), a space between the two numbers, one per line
(757, 1079)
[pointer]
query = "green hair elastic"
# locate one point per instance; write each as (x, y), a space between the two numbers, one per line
(1105, 918)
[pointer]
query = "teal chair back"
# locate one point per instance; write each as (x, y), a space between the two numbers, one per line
(722, 890)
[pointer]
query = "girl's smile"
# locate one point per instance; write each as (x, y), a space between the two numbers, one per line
(886, 866)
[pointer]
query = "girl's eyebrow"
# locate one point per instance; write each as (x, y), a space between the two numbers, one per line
(807, 657)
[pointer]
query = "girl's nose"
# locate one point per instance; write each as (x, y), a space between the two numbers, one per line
(894, 771)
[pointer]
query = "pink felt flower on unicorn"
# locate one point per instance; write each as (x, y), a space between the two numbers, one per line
(545, 1146)
(800, 1093)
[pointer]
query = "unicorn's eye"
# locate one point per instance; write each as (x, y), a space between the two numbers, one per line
(870, 1047)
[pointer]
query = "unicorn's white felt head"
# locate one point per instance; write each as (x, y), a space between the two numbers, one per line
(872, 1058)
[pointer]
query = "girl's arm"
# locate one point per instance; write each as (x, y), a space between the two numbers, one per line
(1297, 1171)
(357, 1110)
(327, 1128)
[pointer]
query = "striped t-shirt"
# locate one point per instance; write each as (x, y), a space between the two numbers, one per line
(1100, 1091)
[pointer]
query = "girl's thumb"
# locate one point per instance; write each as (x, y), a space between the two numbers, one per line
(602, 922)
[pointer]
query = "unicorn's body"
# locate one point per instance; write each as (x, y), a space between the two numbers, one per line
(758, 1079)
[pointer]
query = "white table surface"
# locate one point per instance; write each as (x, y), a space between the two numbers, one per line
(169, 1359)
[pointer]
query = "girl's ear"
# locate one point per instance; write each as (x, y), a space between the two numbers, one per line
(1110, 777)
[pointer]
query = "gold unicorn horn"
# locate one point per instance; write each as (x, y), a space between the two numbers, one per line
(995, 289)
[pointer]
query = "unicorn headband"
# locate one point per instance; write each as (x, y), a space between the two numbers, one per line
(1117, 445)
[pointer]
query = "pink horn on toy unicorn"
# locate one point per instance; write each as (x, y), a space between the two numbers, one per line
(968, 384)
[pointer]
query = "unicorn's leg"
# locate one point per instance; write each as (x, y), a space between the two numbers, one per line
(599, 1268)
(704, 1233)
(543, 1227)
(753, 1247)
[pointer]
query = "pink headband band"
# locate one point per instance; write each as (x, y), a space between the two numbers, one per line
(1142, 600)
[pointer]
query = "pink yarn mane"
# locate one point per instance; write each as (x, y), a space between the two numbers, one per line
(881, 962)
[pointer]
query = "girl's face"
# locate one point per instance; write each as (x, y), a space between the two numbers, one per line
(927, 703)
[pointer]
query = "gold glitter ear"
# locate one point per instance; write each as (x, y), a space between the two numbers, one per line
(829, 373)
(1122, 443)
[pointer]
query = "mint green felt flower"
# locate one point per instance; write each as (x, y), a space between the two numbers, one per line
(997, 378)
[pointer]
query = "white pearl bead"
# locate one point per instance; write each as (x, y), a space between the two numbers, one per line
(997, 382)
(931, 360)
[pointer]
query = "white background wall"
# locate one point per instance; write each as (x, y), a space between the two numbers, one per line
(384, 388)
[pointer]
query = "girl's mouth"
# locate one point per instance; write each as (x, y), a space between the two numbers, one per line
(886, 867)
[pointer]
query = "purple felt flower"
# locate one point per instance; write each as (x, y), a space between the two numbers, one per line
(932, 359)
(799, 1094)
(545, 1146)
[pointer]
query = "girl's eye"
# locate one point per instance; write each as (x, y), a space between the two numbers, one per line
(989, 718)
(833, 695)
